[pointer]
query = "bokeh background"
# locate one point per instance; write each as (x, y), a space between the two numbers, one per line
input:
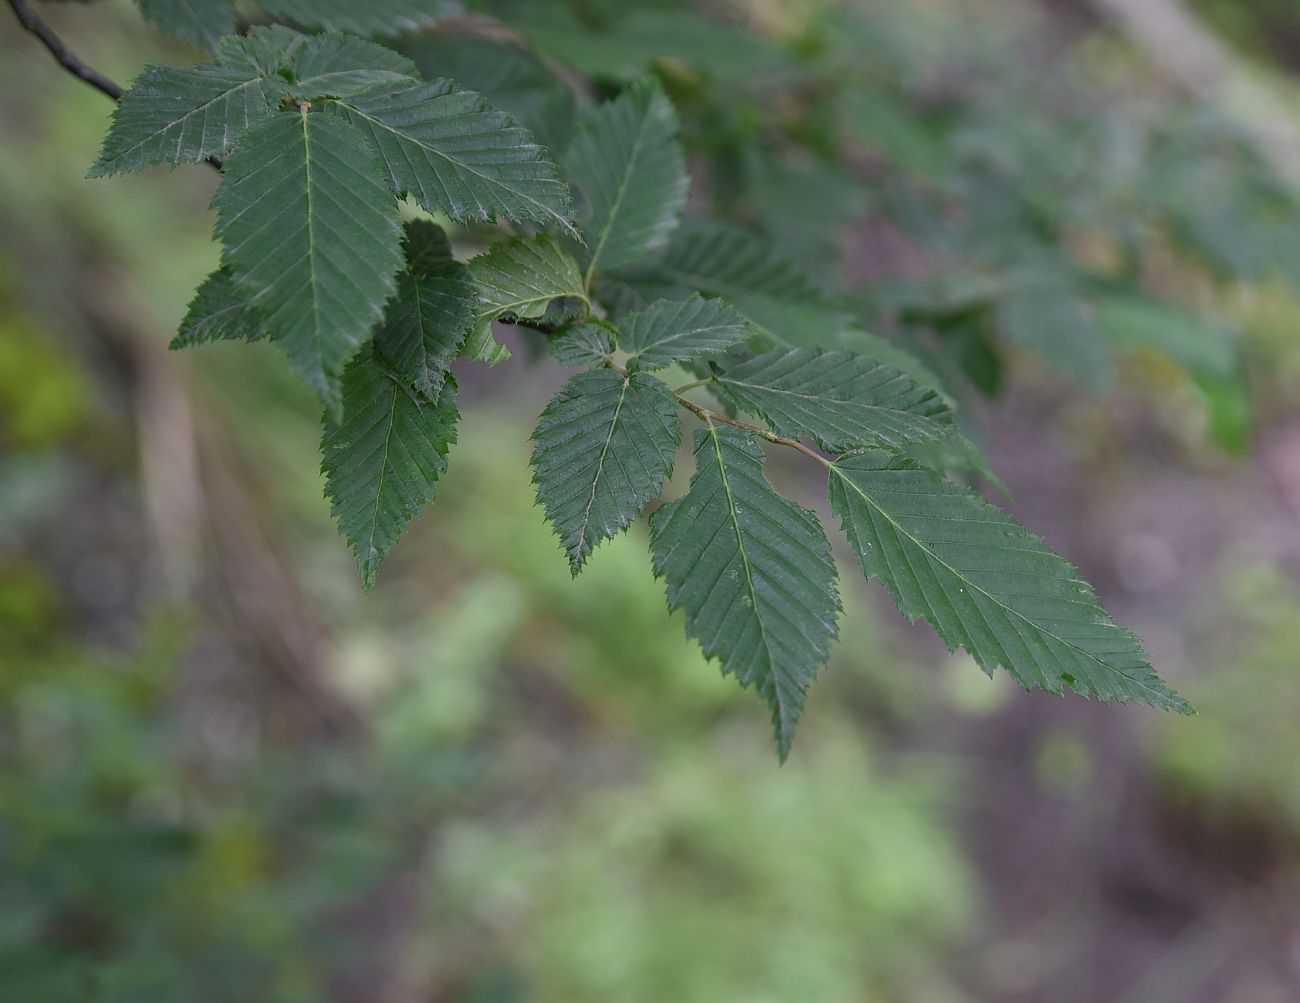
(228, 775)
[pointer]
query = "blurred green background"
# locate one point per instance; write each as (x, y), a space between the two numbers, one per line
(227, 775)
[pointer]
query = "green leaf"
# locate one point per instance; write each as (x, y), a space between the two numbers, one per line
(519, 278)
(382, 460)
(312, 235)
(452, 151)
(1136, 323)
(840, 399)
(668, 332)
(219, 312)
(340, 66)
(584, 345)
(753, 573)
(1043, 314)
(986, 583)
(428, 320)
(202, 22)
(628, 163)
(174, 116)
(372, 17)
(512, 78)
(604, 447)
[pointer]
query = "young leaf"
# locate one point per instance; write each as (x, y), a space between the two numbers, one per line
(753, 573)
(668, 332)
(175, 116)
(604, 447)
(452, 151)
(585, 345)
(313, 235)
(426, 323)
(201, 22)
(519, 278)
(219, 312)
(628, 163)
(840, 399)
(986, 583)
(371, 17)
(341, 66)
(382, 460)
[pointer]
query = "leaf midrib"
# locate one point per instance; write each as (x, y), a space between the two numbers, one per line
(941, 431)
(619, 196)
(1164, 698)
(551, 213)
(600, 464)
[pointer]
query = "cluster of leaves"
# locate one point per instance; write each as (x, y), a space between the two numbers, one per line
(321, 135)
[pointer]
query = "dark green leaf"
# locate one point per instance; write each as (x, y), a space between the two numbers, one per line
(202, 22)
(219, 312)
(343, 65)
(667, 332)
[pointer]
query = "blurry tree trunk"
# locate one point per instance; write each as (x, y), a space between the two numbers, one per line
(1202, 63)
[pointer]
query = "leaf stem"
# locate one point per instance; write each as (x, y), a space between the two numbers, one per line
(692, 386)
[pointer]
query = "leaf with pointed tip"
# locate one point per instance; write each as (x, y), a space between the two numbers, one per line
(175, 116)
(218, 312)
(363, 17)
(603, 448)
(452, 151)
(201, 22)
(986, 583)
(584, 345)
(428, 320)
(840, 399)
(753, 573)
(383, 458)
(482, 346)
(676, 331)
(340, 66)
(627, 161)
(312, 235)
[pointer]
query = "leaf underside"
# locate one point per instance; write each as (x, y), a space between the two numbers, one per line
(313, 235)
(752, 572)
(382, 460)
(587, 344)
(602, 450)
(985, 583)
(520, 277)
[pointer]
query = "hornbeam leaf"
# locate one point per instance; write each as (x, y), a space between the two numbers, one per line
(312, 235)
(753, 573)
(986, 583)
(519, 278)
(628, 163)
(428, 320)
(363, 17)
(840, 399)
(337, 65)
(587, 344)
(175, 116)
(382, 460)
(202, 22)
(219, 312)
(604, 447)
(452, 151)
(668, 332)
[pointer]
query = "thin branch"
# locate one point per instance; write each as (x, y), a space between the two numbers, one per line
(28, 19)
(70, 61)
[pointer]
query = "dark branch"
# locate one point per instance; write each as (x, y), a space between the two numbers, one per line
(68, 60)
(28, 19)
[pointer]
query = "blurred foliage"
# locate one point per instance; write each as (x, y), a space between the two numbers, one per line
(550, 795)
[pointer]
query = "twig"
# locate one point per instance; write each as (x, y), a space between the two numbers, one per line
(28, 19)
(69, 60)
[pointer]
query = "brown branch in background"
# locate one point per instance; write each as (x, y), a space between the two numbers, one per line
(28, 19)
(69, 60)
